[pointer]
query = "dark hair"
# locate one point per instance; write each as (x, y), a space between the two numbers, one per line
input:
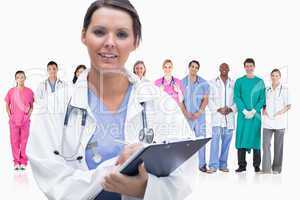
(194, 61)
(52, 63)
(19, 72)
(138, 63)
(123, 5)
(249, 60)
(76, 70)
(276, 70)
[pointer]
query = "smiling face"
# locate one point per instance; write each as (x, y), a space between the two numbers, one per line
(249, 68)
(139, 70)
(275, 77)
(193, 69)
(168, 68)
(224, 69)
(52, 71)
(20, 79)
(109, 38)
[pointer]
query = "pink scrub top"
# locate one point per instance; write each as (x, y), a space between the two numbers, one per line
(19, 101)
(168, 87)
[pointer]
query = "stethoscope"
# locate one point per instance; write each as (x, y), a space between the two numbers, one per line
(171, 83)
(146, 135)
(270, 88)
(46, 83)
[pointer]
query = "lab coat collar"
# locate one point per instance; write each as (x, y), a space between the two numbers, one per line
(219, 79)
(279, 87)
(228, 82)
(141, 92)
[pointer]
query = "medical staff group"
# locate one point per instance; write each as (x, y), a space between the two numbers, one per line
(224, 97)
(75, 140)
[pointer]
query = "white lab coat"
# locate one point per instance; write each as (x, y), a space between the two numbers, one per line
(47, 99)
(221, 96)
(62, 180)
(276, 100)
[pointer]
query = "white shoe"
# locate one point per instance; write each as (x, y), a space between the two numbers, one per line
(16, 167)
(22, 167)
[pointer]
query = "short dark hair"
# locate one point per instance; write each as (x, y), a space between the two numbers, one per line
(76, 70)
(19, 72)
(123, 5)
(249, 60)
(52, 63)
(194, 61)
(275, 70)
(138, 63)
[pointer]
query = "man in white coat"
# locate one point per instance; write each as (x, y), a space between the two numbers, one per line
(222, 110)
(46, 93)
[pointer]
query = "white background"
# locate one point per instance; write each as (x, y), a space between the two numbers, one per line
(34, 32)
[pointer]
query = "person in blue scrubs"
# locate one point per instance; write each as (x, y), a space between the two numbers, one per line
(195, 100)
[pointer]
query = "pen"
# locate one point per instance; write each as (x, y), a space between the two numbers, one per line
(121, 142)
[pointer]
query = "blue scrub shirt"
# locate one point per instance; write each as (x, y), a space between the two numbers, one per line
(52, 86)
(193, 95)
(110, 126)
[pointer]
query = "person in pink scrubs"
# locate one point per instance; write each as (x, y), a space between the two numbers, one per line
(19, 105)
(169, 83)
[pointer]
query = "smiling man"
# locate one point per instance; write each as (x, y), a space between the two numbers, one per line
(249, 97)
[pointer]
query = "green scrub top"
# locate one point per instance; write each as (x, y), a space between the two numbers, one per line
(249, 93)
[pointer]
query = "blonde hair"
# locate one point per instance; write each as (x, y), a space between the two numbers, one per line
(167, 61)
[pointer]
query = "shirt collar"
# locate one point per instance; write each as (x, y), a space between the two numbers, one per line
(197, 79)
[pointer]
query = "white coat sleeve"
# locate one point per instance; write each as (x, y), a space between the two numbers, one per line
(181, 182)
(57, 179)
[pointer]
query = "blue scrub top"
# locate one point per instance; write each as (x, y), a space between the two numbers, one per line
(110, 126)
(193, 95)
(52, 86)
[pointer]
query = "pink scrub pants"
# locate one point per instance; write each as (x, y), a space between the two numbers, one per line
(18, 138)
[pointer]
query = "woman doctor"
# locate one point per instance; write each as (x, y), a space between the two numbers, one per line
(112, 99)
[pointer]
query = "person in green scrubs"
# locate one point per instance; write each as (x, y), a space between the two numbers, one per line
(249, 97)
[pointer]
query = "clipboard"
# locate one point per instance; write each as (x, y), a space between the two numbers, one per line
(162, 159)
(159, 159)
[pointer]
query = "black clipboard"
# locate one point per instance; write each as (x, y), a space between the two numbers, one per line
(159, 159)
(162, 159)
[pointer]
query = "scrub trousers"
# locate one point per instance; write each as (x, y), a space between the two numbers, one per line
(200, 131)
(267, 164)
(219, 152)
(18, 139)
(242, 158)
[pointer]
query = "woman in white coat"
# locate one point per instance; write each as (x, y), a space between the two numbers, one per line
(109, 98)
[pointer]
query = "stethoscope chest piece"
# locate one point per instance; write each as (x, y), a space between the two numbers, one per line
(146, 135)
(97, 158)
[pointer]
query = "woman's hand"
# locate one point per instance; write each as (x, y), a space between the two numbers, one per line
(133, 186)
(127, 152)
